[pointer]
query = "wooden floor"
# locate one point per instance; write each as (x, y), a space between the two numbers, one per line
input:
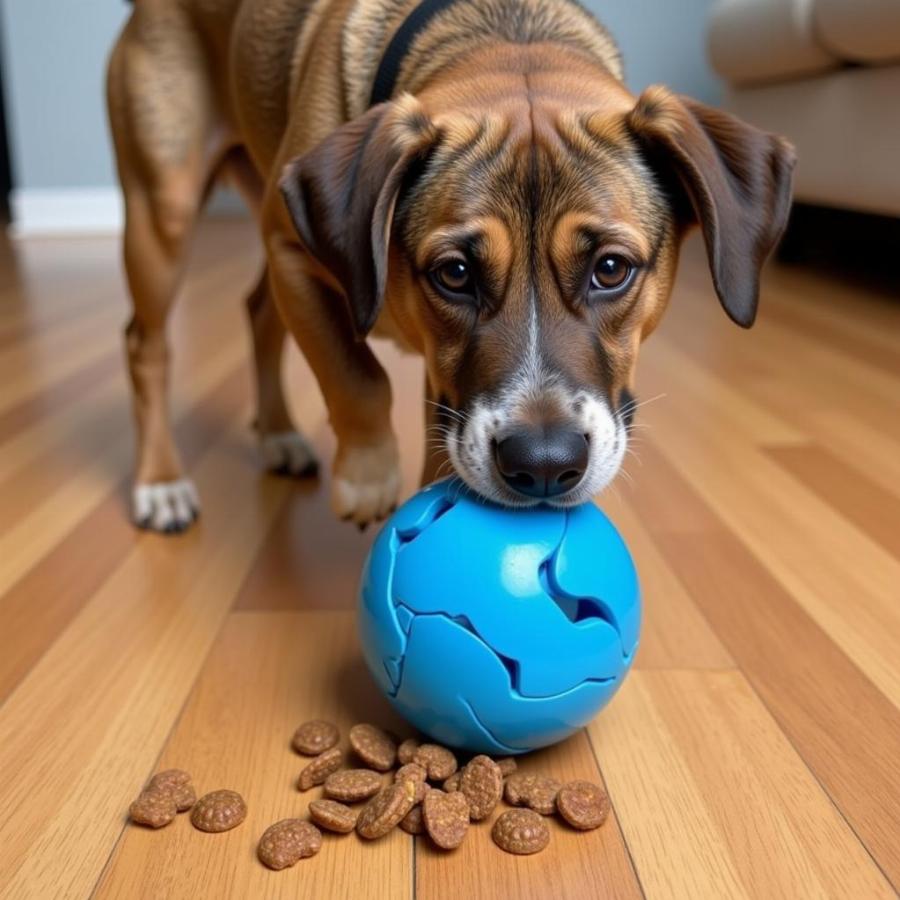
(753, 752)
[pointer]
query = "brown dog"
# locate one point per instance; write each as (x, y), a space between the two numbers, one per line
(468, 177)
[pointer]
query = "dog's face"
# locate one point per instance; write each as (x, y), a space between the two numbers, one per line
(531, 259)
(527, 249)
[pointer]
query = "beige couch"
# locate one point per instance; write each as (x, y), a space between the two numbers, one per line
(826, 73)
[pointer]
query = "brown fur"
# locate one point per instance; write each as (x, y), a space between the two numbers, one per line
(510, 128)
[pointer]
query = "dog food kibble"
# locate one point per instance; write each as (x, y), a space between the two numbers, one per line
(177, 784)
(353, 785)
(168, 778)
(451, 784)
(402, 798)
(407, 750)
(482, 783)
(583, 805)
(315, 737)
(333, 816)
(166, 794)
(219, 811)
(446, 818)
(373, 746)
(320, 768)
(386, 809)
(520, 831)
(288, 841)
(412, 822)
(416, 774)
(438, 761)
(538, 792)
(153, 808)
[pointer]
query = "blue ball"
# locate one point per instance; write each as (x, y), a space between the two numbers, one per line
(497, 630)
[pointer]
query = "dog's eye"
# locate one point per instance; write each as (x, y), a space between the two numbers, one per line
(453, 277)
(611, 272)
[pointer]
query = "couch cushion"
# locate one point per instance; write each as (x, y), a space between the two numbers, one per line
(847, 148)
(766, 40)
(859, 30)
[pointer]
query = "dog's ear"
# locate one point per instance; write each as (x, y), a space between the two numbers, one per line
(341, 197)
(737, 179)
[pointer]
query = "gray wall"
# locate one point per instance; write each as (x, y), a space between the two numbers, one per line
(54, 54)
(54, 57)
(662, 41)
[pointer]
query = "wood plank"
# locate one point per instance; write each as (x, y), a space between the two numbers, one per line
(714, 801)
(36, 609)
(817, 555)
(86, 724)
(27, 539)
(267, 673)
(593, 865)
(822, 375)
(846, 489)
(838, 336)
(26, 413)
(843, 727)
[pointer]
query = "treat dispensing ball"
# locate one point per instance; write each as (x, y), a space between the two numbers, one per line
(497, 630)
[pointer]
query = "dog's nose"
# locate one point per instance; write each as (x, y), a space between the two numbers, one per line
(543, 462)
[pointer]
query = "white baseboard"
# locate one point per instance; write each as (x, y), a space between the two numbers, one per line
(65, 211)
(43, 212)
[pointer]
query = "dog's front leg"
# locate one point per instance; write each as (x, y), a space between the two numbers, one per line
(355, 386)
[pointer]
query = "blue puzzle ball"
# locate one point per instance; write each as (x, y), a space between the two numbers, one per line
(497, 630)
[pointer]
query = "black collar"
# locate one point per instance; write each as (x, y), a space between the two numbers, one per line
(389, 67)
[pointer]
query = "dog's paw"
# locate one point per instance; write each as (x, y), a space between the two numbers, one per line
(168, 507)
(288, 453)
(366, 482)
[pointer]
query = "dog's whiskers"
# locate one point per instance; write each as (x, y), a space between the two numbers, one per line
(632, 405)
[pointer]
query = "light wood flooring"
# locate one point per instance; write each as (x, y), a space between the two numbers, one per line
(754, 751)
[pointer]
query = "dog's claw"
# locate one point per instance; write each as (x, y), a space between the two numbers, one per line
(287, 453)
(166, 507)
(366, 482)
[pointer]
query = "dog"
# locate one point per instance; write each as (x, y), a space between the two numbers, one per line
(470, 178)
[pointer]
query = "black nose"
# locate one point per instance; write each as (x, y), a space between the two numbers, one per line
(542, 462)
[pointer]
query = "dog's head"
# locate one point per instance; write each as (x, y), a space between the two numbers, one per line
(527, 246)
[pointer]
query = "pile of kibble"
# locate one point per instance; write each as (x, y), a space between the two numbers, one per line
(407, 799)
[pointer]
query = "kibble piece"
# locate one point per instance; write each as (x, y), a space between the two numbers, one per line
(446, 818)
(353, 785)
(177, 784)
(315, 737)
(288, 841)
(153, 808)
(416, 774)
(520, 831)
(333, 816)
(385, 810)
(373, 746)
(583, 805)
(538, 792)
(451, 784)
(407, 750)
(411, 770)
(482, 784)
(320, 768)
(412, 822)
(168, 777)
(438, 761)
(219, 811)
(507, 765)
